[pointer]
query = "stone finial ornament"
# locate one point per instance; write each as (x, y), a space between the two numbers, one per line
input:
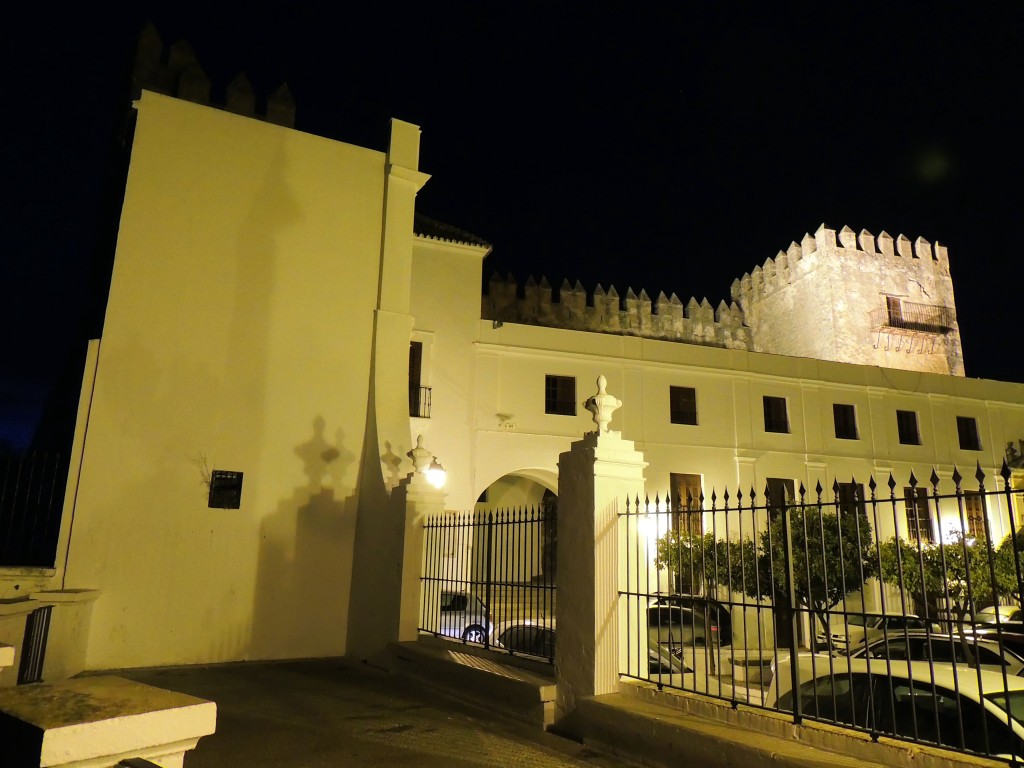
(420, 456)
(602, 405)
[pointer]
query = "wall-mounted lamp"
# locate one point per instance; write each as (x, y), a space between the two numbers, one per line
(436, 474)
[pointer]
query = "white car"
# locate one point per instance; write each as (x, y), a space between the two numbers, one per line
(944, 648)
(858, 630)
(964, 709)
(532, 637)
(462, 615)
(999, 613)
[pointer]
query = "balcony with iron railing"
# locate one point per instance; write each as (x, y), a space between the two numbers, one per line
(911, 316)
(419, 401)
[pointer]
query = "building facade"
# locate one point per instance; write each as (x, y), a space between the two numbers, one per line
(281, 327)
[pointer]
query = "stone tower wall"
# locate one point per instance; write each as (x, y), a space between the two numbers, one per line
(826, 298)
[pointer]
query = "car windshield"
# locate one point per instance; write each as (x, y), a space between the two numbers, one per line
(1009, 701)
(855, 620)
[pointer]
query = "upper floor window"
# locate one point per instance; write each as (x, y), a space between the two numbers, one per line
(682, 404)
(967, 431)
(845, 417)
(776, 418)
(906, 424)
(560, 395)
(419, 396)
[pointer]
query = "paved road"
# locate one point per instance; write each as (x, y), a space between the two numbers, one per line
(336, 713)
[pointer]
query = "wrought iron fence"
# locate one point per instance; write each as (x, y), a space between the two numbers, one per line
(488, 579)
(890, 609)
(31, 500)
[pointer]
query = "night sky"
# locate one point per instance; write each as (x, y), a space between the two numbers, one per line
(667, 147)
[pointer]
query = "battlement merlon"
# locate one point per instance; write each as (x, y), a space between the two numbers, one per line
(665, 318)
(800, 258)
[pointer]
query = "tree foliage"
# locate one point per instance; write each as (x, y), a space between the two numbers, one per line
(958, 572)
(832, 555)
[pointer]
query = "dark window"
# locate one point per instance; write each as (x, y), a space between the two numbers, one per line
(967, 430)
(894, 311)
(225, 490)
(919, 520)
(776, 419)
(846, 421)
(781, 491)
(851, 498)
(419, 396)
(682, 404)
(560, 395)
(906, 423)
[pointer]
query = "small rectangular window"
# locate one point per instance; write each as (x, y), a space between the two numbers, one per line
(776, 418)
(560, 395)
(845, 417)
(919, 520)
(906, 423)
(225, 490)
(682, 403)
(967, 431)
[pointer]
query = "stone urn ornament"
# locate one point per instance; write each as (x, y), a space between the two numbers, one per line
(602, 405)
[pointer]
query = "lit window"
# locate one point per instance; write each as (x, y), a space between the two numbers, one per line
(560, 395)
(906, 424)
(967, 431)
(776, 418)
(845, 417)
(919, 520)
(682, 403)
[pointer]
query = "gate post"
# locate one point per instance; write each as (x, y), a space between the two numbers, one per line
(423, 498)
(595, 476)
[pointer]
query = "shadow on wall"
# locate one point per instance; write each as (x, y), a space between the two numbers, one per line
(305, 557)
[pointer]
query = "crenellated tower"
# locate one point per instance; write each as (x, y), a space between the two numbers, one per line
(855, 298)
(176, 72)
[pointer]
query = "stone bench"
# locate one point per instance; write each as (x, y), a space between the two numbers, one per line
(99, 721)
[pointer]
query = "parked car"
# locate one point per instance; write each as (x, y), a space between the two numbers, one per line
(944, 648)
(999, 613)
(976, 712)
(527, 636)
(678, 629)
(463, 615)
(537, 638)
(858, 630)
(716, 611)
(1012, 639)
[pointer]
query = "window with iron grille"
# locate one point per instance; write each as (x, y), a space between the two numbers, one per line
(967, 431)
(974, 512)
(682, 404)
(776, 418)
(560, 395)
(919, 518)
(845, 417)
(906, 424)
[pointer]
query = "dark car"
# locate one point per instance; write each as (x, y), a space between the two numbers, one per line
(698, 610)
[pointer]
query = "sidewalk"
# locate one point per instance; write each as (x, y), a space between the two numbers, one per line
(336, 713)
